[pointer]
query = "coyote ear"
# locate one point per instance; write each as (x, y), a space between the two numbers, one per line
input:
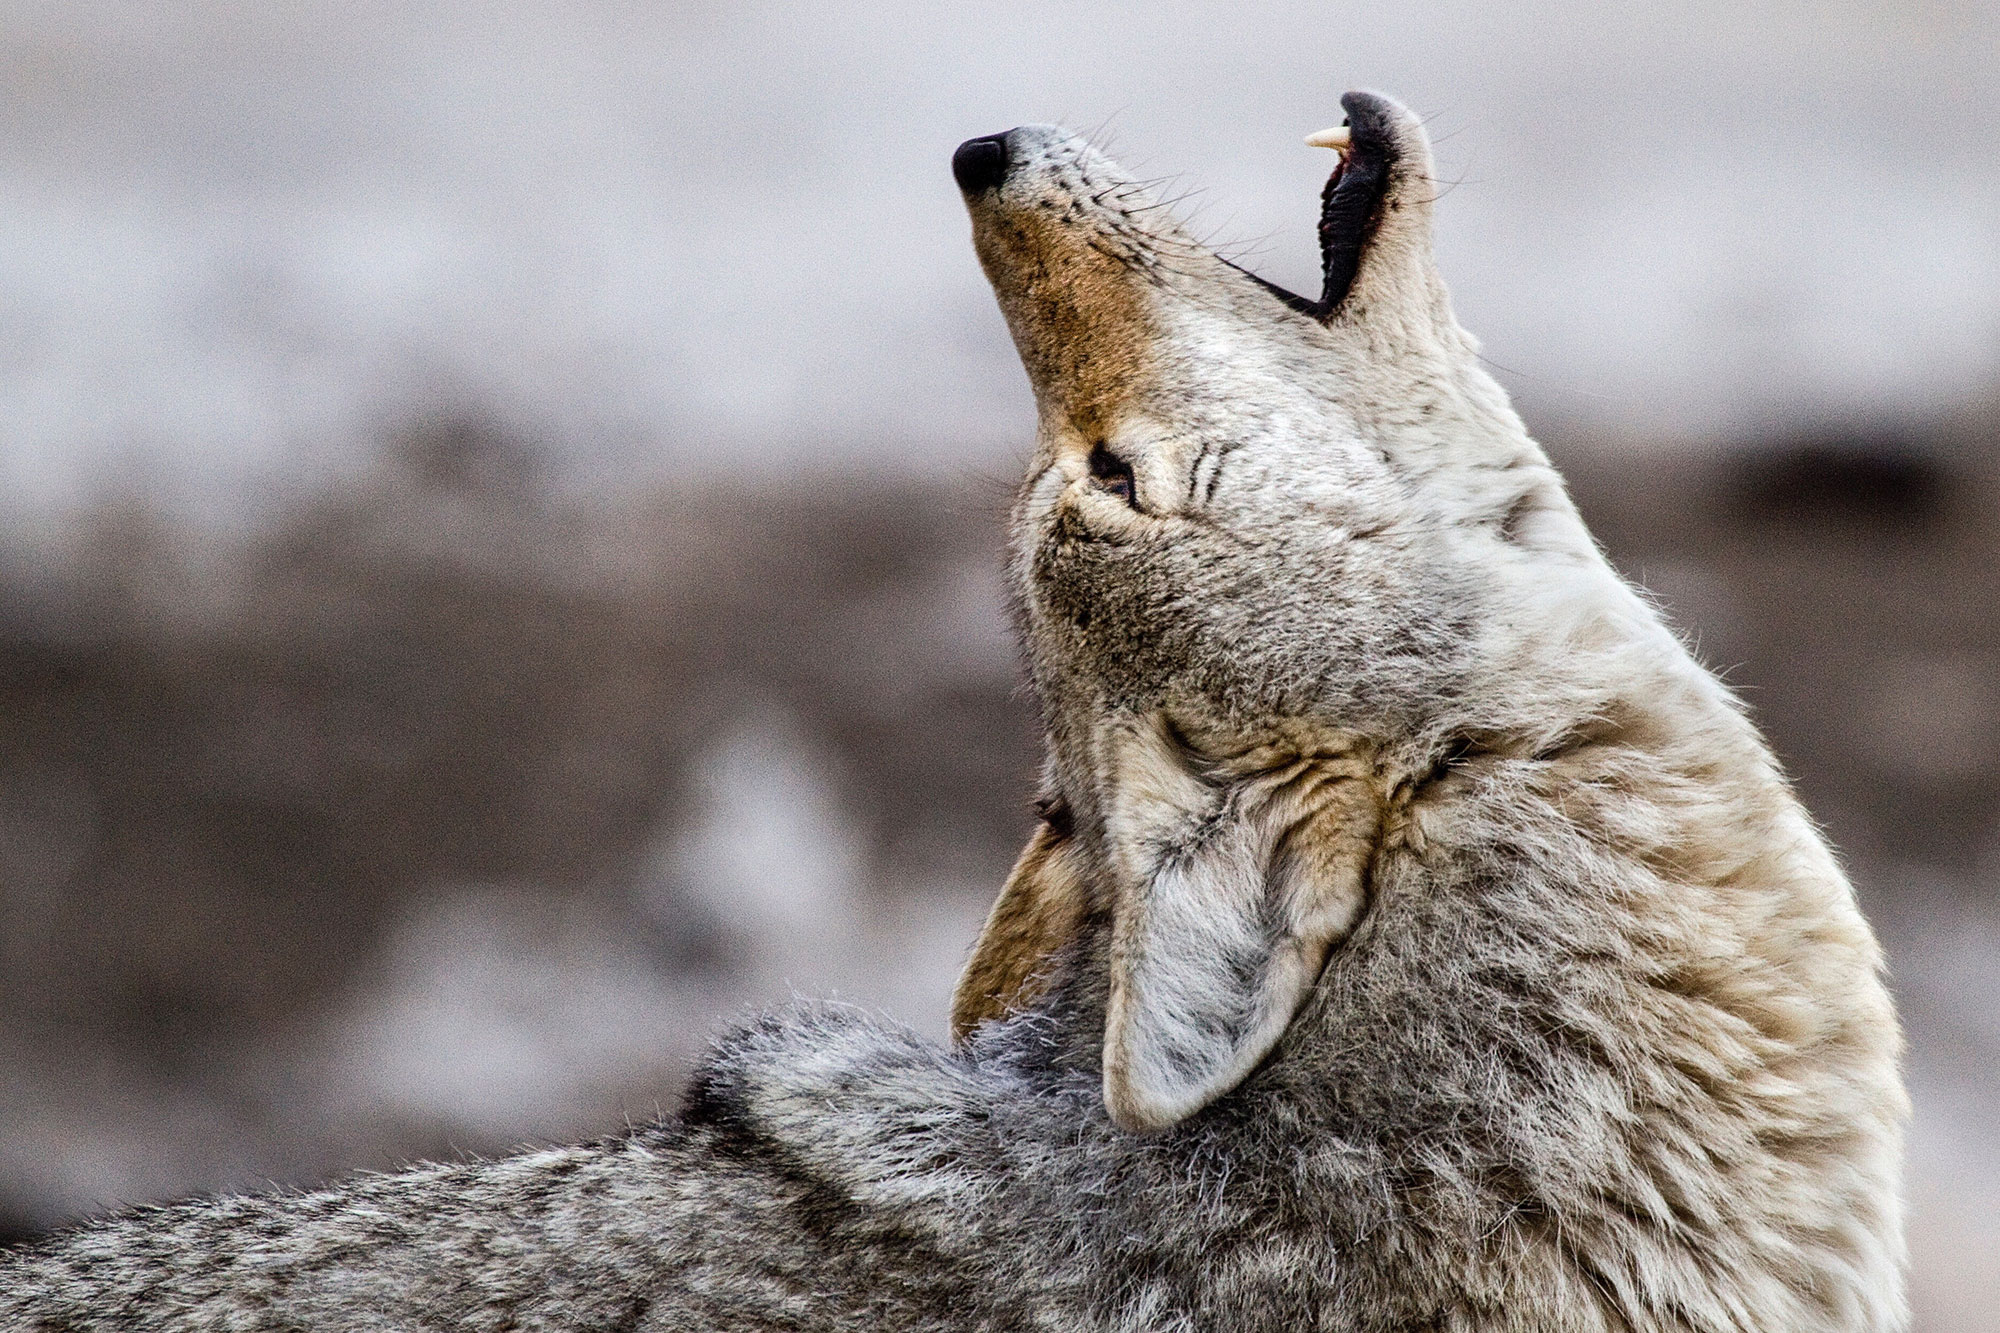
(1375, 218)
(1229, 899)
(1041, 909)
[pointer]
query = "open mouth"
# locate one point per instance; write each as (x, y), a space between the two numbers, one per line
(1350, 205)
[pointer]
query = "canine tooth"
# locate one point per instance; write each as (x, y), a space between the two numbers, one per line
(1339, 139)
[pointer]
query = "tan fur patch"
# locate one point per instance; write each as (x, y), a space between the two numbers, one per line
(1077, 311)
(1038, 911)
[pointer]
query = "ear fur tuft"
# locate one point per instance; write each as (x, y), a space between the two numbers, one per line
(1234, 880)
(1040, 909)
(1231, 893)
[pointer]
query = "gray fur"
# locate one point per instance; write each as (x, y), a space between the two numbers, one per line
(1599, 1041)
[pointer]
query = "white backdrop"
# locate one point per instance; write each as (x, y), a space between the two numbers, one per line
(241, 241)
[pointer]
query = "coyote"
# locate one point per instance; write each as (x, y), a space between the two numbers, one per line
(1416, 937)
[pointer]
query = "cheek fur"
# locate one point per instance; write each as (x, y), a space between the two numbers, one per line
(1106, 611)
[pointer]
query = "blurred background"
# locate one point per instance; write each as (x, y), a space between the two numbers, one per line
(499, 511)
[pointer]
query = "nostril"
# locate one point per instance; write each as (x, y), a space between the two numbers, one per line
(980, 164)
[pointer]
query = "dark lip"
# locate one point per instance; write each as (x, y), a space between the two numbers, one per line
(1349, 207)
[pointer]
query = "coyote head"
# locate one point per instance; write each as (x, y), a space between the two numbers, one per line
(1274, 559)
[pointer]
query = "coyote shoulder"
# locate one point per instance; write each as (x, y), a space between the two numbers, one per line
(1417, 936)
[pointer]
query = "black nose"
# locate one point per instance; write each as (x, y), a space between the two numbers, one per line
(980, 164)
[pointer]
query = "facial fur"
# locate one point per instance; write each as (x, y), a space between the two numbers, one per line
(1324, 651)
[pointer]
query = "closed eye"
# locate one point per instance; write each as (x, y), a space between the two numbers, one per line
(1112, 474)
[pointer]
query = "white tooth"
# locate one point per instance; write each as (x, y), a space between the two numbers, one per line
(1339, 138)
